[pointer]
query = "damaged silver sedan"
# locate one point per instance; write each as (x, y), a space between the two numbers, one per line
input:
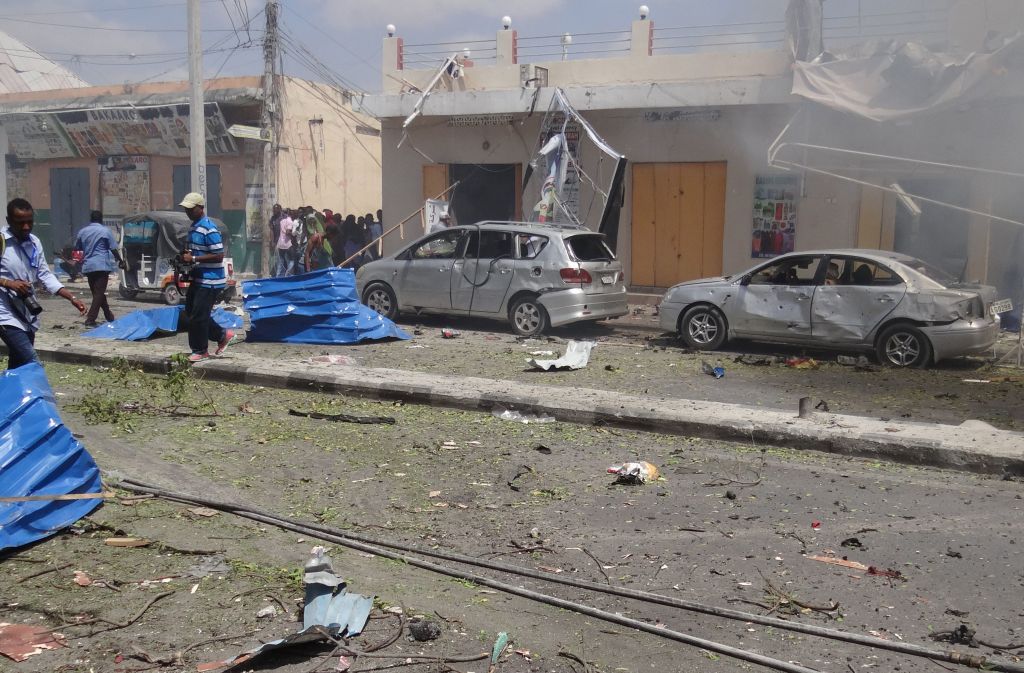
(534, 275)
(909, 313)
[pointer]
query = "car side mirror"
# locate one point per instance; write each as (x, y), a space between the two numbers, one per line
(745, 280)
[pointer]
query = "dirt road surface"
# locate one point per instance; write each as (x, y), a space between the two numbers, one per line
(729, 525)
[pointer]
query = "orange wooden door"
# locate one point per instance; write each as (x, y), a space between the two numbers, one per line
(678, 222)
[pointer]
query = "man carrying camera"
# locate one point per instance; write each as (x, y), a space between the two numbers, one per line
(23, 263)
(206, 280)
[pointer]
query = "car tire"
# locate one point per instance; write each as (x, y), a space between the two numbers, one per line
(171, 295)
(903, 346)
(703, 327)
(126, 293)
(381, 298)
(527, 316)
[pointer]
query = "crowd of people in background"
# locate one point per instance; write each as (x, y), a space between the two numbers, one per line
(306, 239)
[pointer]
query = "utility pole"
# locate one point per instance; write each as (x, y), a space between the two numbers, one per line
(269, 124)
(197, 110)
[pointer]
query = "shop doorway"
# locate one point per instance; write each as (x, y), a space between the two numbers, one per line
(678, 223)
(485, 191)
(182, 179)
(939, 234)
(69, 204)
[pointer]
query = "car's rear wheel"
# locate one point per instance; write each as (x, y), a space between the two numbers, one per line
(381, 298)
(904, 346)
(703, 328)
(527, 316)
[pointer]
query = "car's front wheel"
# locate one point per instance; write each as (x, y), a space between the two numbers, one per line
(381, 298)
(703, 328)
(903, 346)
(528, 316)
(171, 294)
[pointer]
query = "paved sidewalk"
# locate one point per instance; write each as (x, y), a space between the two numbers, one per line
(972, 446)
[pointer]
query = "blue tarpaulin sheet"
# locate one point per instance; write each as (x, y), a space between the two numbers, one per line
(320, 307)
(139, 325)
(38, 456)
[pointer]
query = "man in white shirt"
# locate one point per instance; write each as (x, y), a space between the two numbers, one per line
(285, 241)
(23, 263)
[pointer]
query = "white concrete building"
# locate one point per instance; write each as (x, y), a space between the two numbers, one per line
(695, 109)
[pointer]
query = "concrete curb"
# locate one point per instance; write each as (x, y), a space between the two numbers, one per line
(972, 447)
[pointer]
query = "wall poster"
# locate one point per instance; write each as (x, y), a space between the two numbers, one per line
(17, 178)
(567, 193)
(254, 194)
(125, 184)
(774, 220)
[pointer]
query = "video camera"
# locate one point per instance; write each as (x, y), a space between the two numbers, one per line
(182, 269)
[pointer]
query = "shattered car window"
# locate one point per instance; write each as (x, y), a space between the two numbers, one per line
(791, 271)
(441, 246)
(530, 245)
(589, 248)
(853, 271)
(931, 272)
(488, 245)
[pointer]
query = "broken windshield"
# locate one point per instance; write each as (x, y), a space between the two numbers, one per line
(589, 248)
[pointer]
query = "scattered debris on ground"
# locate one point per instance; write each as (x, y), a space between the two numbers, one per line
(576, 356)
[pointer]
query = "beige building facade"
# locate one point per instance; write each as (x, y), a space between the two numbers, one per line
(124, 150)
(696, 127)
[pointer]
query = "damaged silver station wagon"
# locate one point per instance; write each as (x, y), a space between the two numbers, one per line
(533, 275)
(909, 313)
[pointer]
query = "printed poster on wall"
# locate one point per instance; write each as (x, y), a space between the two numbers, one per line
(254, 196)
(125, 184)
(774, 220)
(570, 194)
(17, 179)
(104, 132)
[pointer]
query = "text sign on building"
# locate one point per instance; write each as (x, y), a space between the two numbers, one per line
(249, 132)
(105, 132)
(502, 119)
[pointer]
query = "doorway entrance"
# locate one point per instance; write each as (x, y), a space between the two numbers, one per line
(678, 223)
(485, 191)
(182, 180)
(69, 204)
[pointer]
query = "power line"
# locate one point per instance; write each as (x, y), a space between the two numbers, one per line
(335, 41)
(115, 30)
(314, 64)
(100, 10)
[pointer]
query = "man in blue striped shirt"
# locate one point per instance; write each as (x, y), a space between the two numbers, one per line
(207, 280)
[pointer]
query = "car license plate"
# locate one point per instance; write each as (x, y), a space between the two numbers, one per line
(1001, 306)
(608, 279)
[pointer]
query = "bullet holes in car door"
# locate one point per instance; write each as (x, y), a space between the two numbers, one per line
(775, 299)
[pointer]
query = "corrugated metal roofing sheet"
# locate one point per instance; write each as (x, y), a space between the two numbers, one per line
(25, 69)
(38, 456)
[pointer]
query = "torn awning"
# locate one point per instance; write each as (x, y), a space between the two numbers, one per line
(39, 456)
(891, 80)
(319, 307)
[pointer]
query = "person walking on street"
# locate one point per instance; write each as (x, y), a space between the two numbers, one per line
(206, 282)
(23, 263)
(285, 261)
(373, 233)
(99, 250)
(276, 216)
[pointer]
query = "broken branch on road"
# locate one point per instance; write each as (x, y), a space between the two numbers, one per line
(343, 418)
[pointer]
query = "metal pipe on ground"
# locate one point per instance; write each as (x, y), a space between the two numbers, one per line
(710, 645)
(954, 657)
